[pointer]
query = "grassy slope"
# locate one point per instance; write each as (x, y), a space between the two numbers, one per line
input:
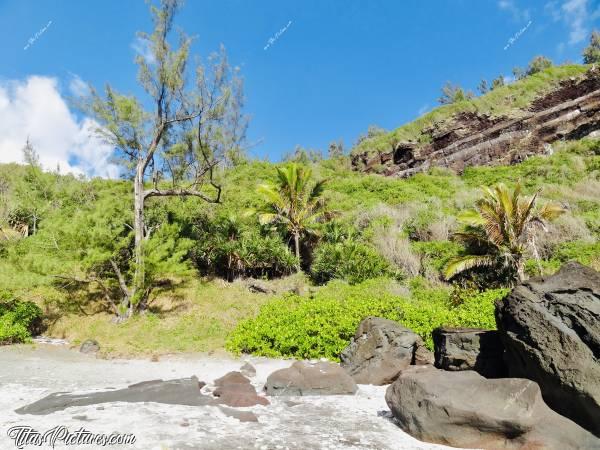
(198, 315)
(509, 100)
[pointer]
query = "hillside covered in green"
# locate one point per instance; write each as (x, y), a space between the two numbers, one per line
(381, 249)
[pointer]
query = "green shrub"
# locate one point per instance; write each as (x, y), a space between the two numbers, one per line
(18, 319)
(322, 326)
(348, 260)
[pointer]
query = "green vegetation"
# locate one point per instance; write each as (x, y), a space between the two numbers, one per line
(397, 228)
(293, 204)
(213, 249)
(499, 231)
(192, 128)
(18, 319)
(509, 100)
(591, 54)
(321, 326)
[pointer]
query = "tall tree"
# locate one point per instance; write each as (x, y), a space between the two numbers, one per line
(591, 54)
(174, 148)
(294, 203)
(500, 230)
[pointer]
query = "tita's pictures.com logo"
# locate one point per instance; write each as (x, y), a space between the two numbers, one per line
(24, 436)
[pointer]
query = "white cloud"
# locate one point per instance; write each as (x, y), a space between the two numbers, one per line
(576, 16)
(34, 108)
(519, 14)
(142, 47)
(78, 87)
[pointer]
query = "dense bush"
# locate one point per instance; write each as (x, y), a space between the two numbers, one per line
(348, 260)
(18, 319)
(230, 247)
(322, 326)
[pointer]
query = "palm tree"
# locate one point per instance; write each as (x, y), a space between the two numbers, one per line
(500, 230)
(294, 203)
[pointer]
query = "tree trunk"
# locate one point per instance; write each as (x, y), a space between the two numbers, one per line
(297, 248)
(138, 226)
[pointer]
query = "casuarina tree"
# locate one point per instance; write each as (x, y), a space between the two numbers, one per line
(172, 142)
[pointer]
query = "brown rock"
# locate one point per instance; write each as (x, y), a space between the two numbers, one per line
(380, 349)
(464, 409)
(305, 378)
(234, 389)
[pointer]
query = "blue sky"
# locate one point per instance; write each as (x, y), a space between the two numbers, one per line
(338, 67)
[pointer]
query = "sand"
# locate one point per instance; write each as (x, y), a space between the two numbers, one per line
(30, 372)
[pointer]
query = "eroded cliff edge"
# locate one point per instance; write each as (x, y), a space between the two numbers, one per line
(570, 110)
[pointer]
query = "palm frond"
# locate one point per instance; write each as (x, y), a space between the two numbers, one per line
(461, 263)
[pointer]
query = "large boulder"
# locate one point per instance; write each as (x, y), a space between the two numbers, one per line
(380, 349)
(305, 378)
(551, 332)
(464, 409)
(469, 349)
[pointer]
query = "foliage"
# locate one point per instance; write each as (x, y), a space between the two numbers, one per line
(231, 247)
(453, 94)
(348, 260)
(591, 54)
(498, 232)
(191, 128)
(18, 319)
(538, 64)
(322, 326)
(295, 204)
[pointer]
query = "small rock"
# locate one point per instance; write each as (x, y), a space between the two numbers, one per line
(303, 378)
(242, 416)
(234, 389)
(89, 346)
(82, 417)
(248, 370)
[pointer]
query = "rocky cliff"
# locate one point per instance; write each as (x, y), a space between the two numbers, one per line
(570, 110)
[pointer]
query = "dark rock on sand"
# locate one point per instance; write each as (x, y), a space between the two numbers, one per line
(380, 349)
(551, 332)
(464, 409)
(183, 391)
(305, 378)
(248, 370)
(469, 349)
(89, 346)
(234, 389)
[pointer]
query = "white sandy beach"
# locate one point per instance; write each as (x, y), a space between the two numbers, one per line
(28, 373)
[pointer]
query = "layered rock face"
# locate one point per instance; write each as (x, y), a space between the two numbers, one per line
(463, 409)
(380, 349)
(570, 112)
(551, 332)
